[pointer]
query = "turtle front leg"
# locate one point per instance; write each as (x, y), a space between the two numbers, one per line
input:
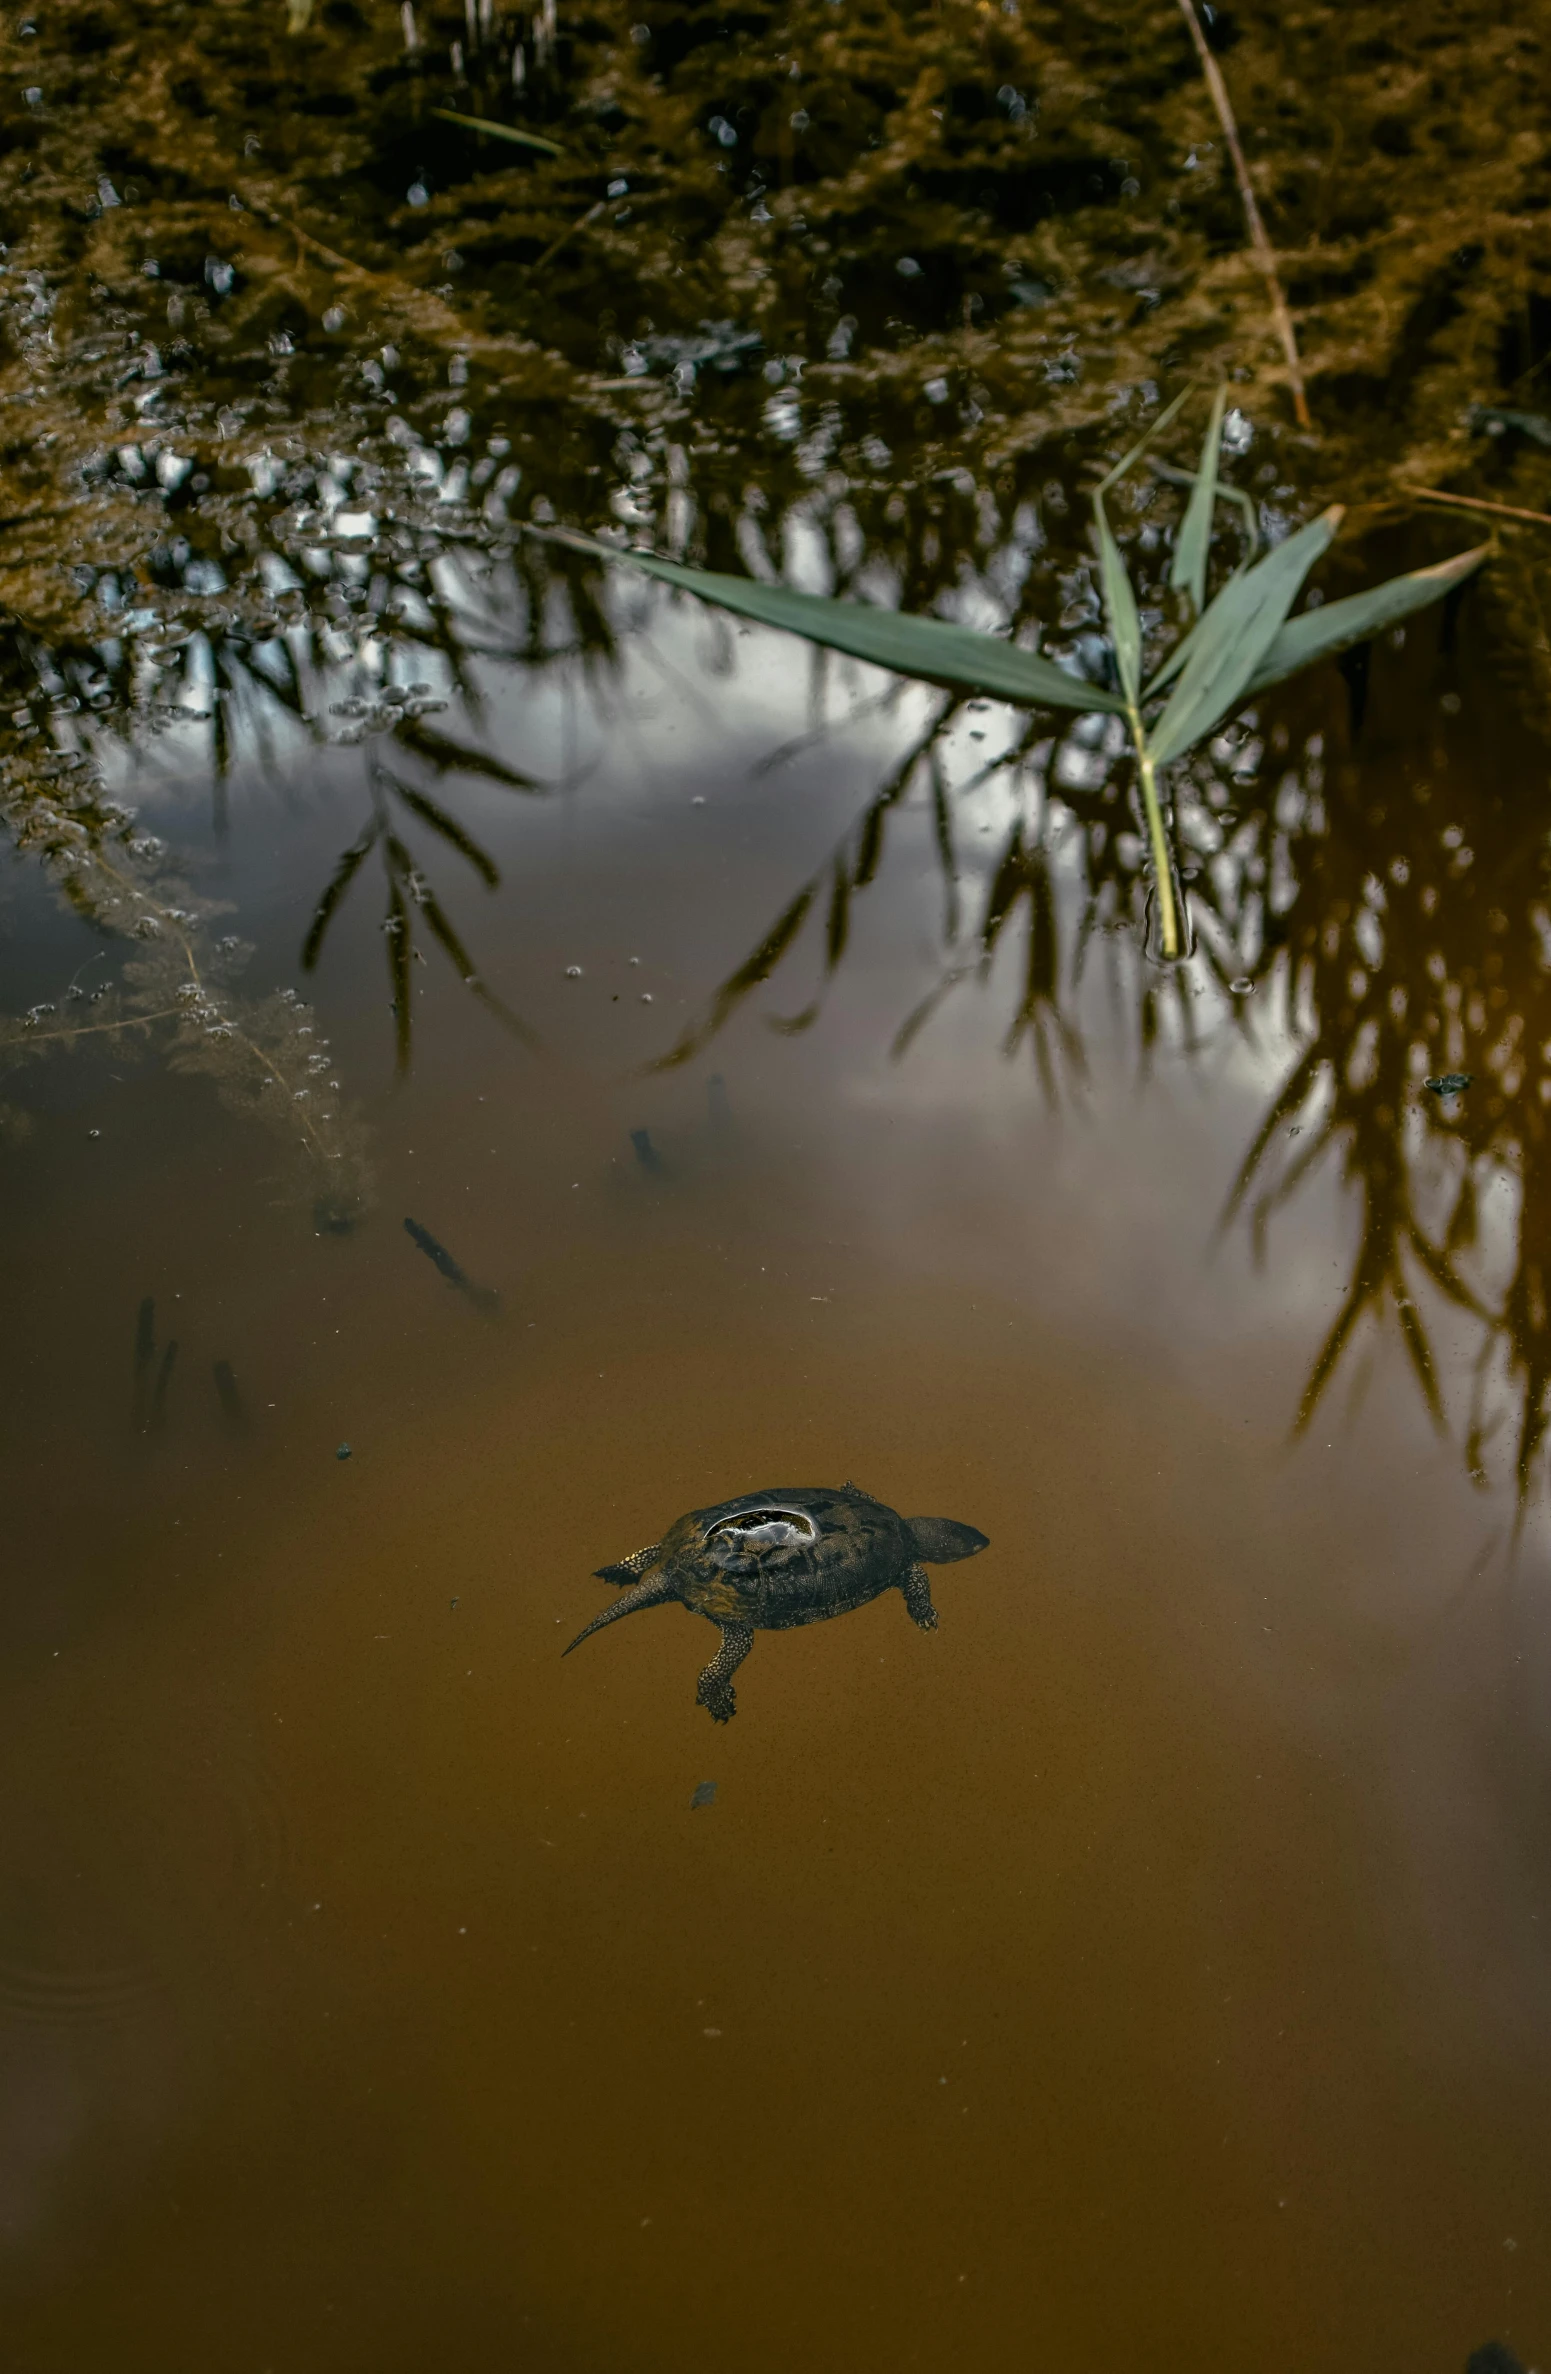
(715, 1691)
(917, 1588)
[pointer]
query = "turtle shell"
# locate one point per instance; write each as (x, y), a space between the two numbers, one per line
(775, 1559)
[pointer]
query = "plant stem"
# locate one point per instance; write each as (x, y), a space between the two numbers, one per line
(1264, 255)
(1157, 834)
(1433, 494)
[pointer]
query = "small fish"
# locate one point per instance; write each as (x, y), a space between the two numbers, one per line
(231, 1400)
(158, 1418)
(646, 1153)
(1450, 1083)
(145, 1358)
(484, 1298)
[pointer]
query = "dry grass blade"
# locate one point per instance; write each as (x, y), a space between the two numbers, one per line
(481, 123)
(1265, 255)
(1435, 494)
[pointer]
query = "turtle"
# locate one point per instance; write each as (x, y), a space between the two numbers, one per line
(769, 1560)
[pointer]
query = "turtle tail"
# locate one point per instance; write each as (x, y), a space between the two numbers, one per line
(648, 1594)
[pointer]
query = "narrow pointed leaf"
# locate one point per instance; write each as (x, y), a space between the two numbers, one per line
(1141, 445)
(930, 648)
(1234, 637)
(431, 813)
(1125, 628)
(1182, 649)
(323, 914)
(1187, 573)
(483, 123)
(1317, 634)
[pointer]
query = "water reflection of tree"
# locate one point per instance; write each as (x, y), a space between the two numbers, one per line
(1383, 893)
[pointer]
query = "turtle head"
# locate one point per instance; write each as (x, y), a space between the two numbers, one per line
(940, 1541)
(651, 1593)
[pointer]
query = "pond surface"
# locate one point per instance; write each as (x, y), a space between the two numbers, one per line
(502, 1055)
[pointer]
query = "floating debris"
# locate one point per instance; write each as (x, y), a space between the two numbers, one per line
(705, 1794)
(343, 1452)
(1450, 1083)
(646, 1153)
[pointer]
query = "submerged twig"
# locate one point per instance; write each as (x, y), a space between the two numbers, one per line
(1264, 254)
(1434, 494)
(569, 233)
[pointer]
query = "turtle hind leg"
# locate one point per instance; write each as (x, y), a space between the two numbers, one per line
(714, 1691)
(917, 1588)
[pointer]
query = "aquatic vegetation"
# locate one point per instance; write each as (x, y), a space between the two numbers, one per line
(177, 992)
(1233, 647)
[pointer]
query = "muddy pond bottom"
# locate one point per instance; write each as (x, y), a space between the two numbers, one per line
(1148, 1965)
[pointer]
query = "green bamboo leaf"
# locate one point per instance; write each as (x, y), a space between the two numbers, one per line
(1317, 634)
(1141, 445)
(1193, 543)
(1234, 637)
(1125, 628)
(481, 123)
(930, 648)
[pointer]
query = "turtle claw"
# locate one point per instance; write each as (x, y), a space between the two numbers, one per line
(917, 1588)
(714, 1690)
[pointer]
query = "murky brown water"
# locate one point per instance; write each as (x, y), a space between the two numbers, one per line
(1152, 1961)
(1150, 1966)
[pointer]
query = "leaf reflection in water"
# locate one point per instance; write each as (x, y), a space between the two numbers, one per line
(1338, 895)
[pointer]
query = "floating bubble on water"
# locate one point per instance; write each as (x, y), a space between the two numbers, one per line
(573, 972)
(1242, 986)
